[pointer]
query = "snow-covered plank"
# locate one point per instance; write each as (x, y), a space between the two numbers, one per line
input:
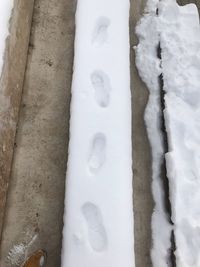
(98, 220)
(180, 44)
(176, 31)
(148, 64)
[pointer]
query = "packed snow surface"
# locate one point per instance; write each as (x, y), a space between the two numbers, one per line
(5, 13)
(98, 222)
(178, 32)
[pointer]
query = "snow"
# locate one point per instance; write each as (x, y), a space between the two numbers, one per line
(180, 44)
(5, 13)
(149, 68)
(98, 220)
(178, 32)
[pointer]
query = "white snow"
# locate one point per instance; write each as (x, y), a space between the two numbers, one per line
(98, 220)
(180, 43)
(178, 31)
(5, 13)
(149, 68)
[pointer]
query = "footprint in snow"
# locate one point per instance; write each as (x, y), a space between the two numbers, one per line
(100, 34)
(97, 153)
(101, 85)
(97, 236)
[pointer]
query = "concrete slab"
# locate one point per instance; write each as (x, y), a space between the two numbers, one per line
(11, 84)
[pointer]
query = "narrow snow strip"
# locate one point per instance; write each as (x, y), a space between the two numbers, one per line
(180, 44)
(5, 13)
(148, 64)
(98, 222)
(177, 30)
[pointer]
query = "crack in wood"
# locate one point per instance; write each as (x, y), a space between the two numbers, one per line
(168, 207)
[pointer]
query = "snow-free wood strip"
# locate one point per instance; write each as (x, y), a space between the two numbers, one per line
(13, 54)
(98, 220)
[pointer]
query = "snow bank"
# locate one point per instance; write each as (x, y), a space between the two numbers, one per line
(149, 67)
(98, 221)
(177, 31)
(180, 44)
(5, 13)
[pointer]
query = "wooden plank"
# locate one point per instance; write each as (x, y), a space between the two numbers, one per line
(142, 195)
(11, 85)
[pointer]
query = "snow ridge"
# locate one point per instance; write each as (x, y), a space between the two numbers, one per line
(176, 29)
(180, 44)
(149, 67)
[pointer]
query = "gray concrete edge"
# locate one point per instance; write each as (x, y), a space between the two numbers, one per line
(11, 86)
